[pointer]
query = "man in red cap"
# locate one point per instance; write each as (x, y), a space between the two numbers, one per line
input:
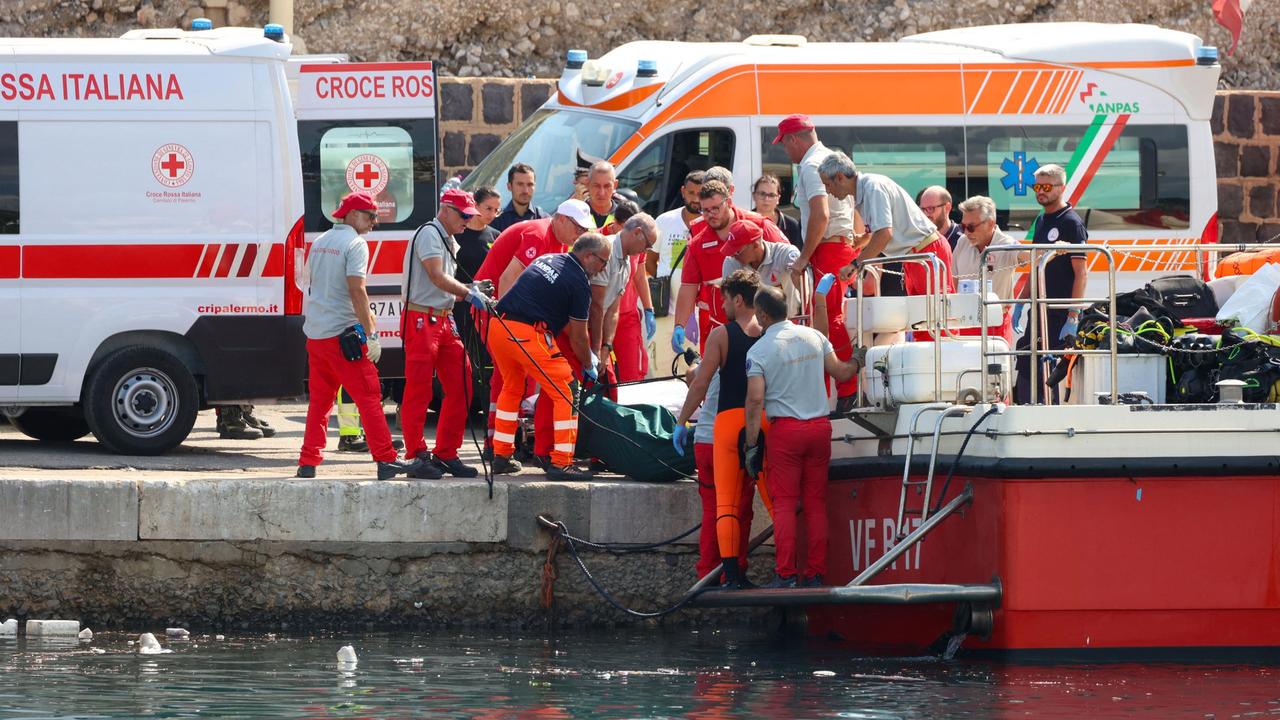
(340, 351)
(432, 344)
(772, 261)
(827, 223)
(704, 261)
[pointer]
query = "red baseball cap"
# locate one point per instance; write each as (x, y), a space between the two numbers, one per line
(355, 201)
(791, 124)
(460, 200)
(741, 234)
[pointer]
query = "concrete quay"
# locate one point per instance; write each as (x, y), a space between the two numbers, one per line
(219, 534)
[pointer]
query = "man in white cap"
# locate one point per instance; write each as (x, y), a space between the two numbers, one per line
(342, 338)
(512, 252)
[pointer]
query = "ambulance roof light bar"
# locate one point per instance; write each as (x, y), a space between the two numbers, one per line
(574, 59)
(201, 24)
(273, 31)
(1207, 55)
(647, 68)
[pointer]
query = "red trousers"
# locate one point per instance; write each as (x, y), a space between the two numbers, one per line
(708, 542)
(432, 347)
(917, 277)
(543, 415)
(798, 454)
(829, 258)
(628, 347)
(327, 371)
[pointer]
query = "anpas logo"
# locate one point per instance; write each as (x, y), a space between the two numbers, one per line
(1096, 100)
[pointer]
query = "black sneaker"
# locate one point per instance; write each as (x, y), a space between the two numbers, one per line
(455, 468)
(569, 474)
(352, 444)
(306, 471)
(388, 470)
(811, 582)
(503, 465)
(780, 582)
(596, 466)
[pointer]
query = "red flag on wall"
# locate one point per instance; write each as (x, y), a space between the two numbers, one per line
(1230, 15)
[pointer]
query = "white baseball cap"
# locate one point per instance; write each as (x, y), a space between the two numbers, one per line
(579, 212)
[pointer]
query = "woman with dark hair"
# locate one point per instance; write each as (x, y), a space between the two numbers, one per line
(767, 194)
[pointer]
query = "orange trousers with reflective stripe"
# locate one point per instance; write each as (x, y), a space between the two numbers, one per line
(733, 484)
(521, 351)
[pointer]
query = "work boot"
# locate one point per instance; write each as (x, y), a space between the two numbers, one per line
(306, 472)
(597, 466)
(256, 422)
(487, 454)
(732, 577)
(542, 462)
(426, 470)
(504, 465)
(569, 473)
(811, 582)
(232, 426)
(388, 470)
(455, 468)
(781, 582)
(353, 444)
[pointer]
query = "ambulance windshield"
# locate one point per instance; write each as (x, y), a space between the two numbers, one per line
(547, 142)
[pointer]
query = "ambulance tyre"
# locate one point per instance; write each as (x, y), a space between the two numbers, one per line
(141, 401)
(58, 425)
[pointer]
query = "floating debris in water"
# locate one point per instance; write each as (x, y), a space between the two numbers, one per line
(148, 645)
(219, 637)
(53, 628)
(347, 658)
(9, 628)
(86, 635)
(177, 633)
(823, 673)
(97, 651)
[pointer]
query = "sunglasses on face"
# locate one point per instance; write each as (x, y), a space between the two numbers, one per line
(1044, 187)
(971, 227)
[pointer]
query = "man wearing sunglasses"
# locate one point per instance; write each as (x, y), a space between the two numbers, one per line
(1064, 276)
(980, 232)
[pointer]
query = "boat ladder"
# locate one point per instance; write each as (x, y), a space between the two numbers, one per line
(923, 487)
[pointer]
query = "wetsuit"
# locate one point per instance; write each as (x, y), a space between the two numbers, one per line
(733, 485)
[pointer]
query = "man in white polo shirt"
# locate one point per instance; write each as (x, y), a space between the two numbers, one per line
(786, 378)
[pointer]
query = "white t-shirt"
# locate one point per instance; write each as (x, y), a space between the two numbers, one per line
(616, 275)
(673, 238)
(335, 256)
(965, 261)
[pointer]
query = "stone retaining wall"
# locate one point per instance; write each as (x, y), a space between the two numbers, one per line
(1246, 144)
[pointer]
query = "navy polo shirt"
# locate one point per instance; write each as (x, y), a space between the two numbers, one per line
(1062, 226)
(510, 217)
(553, 290)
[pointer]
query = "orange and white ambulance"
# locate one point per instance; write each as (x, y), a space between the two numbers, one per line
(1123, 107)
(150, 209)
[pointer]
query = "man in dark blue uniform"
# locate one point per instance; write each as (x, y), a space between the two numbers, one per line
(1064, 277)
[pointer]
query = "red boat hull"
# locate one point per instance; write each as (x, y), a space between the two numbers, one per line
(1085, 563)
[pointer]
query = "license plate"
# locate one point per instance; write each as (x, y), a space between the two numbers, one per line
(386, 308)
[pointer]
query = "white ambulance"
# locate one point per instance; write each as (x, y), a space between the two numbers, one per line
(151, 210)
(1123, 107)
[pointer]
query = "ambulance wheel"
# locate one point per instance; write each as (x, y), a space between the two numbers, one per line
(141, 401)
(51, 424)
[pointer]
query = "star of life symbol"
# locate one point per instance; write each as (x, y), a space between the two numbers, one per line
(368, 173)
(172, 165)
(1019, 172)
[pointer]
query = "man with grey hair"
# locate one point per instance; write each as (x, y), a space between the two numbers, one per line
(897, 225)
(721, 174)
(602, 182)
(1064, 276)
(639, 233)
(978, 221)
(935, 203)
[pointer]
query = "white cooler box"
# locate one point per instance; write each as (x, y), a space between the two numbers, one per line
(1144, 372)
(894, 313)
(909, 367)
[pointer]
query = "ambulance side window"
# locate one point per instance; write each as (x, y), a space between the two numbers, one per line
(395, 160)
(8, 178)
(1142, 179)
(914, 157)
(658, 172)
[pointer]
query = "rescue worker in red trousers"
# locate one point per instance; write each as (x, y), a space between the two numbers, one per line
(337, 315)
(552, 295)
(786, 382)
(432, 343)
(733, 490)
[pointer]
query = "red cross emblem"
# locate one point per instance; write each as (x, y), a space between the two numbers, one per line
(368, 173)
(172, 165)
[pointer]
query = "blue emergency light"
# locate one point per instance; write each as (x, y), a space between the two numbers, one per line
(202, 24)
(273, 31)
(1207, 55)
(647, 68)
(574, 59)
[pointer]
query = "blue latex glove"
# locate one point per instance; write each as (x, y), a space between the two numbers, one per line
(677, 340)
(1070, 327)
(650, 324)
(824, 285)
(590, 373)
(679, 437)
(478, 299)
